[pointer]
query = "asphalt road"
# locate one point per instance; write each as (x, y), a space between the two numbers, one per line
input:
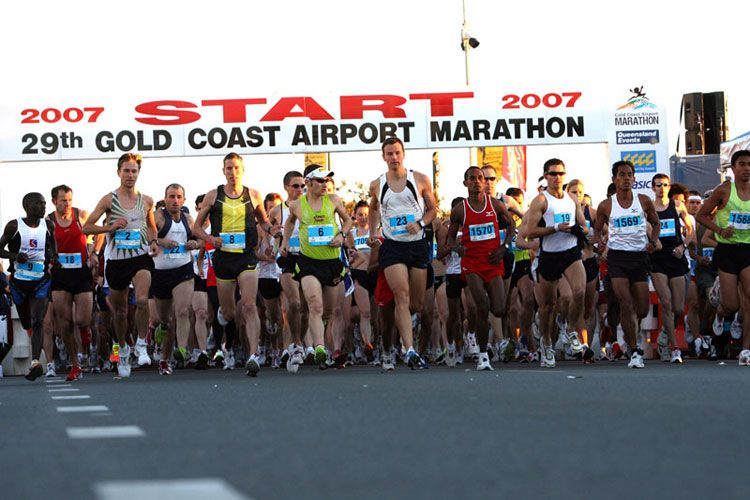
(599, 431)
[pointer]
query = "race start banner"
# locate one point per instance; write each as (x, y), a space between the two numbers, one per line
(298, 124)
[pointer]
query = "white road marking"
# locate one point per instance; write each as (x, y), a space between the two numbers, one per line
(184, 489)
(53, 380)
(104, 432)
(80, 396)
(81, 409)
(64, 389)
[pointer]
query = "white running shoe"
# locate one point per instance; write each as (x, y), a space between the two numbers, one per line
(141, 350)
(252, 366)
(676, 356)
(636, 361)
(123, 367)
(471, 344)
(388, 365)
(548, 359)
(229, 360)
(606, 353)
(718, 325)
(220, 317)
(450, 359)
(736, 328)
(296, 359)
(483, 364)
(745, 358)
(575, 343)
(50, 371)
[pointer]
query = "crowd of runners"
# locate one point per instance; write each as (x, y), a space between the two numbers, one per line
(257, 280)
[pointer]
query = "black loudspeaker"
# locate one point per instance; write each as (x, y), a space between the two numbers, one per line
(694, 143)
(692, 107)
(714, 121)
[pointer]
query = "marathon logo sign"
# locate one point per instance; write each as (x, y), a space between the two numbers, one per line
(297, 124)
(644, 161)
(637, 137)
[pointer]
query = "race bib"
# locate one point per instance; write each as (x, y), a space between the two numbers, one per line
(31, 270)
(232, 241)
(175, 252)
(70, 260)
(320, 235)
(482, 232)
(398, 223)
(294, 245)
(708, 252)
(127, 239)
(667, 228)
(563, 218)
(739, 220)
(513, 245)
(434, 249)
(627, 223)
(360, 243)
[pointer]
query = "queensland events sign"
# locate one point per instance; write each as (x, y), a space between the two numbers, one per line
(216, 125)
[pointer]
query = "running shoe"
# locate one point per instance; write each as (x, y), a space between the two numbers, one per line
(75, 373)
(606, 353)
(252, 366)
(450, 359)
(699, 347)
(164, 367)
(575, 344)
(229, 360)
(676, 356)
(388, 365)
(321, 356)
(219, 359)
(414, 361)
(548, 360)
(483, 364)
(524, 356)
(339, 360)
(440, 356)
(744, 359)
(181, 356)
(718, 325)
(636, 360)
(141, 350)
(534, 357)
(472, 348)
(35, 371)
(123, 365)
(712, 354)
(736, 328)
(617, 351)
(296, 359)
(588, 355)
(50, 371)
(202, 362)
(663, 342)
(114, 356)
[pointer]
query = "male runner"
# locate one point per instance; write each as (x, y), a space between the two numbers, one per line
(72, 282)
(669, 266)
(173, 279)
(403, 202)
(294, 185)
(31, 251)
(481, 253)
(234, 211)
(628, 243)
(319, 269)
(131, 241)
(555, 217)
(731, 227)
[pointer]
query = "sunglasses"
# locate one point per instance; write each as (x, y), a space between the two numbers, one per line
(319, 181)
(555, 174)
(297, 186)
(660, 185)
(490, 178)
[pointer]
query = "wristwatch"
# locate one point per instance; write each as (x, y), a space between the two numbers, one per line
(421, 223)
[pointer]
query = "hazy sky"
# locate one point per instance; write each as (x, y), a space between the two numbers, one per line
(81, 53)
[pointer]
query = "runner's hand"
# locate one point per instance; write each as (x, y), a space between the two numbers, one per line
(496, 256)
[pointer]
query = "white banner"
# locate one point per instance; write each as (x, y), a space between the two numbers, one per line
(298, 124)
(638, 133)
